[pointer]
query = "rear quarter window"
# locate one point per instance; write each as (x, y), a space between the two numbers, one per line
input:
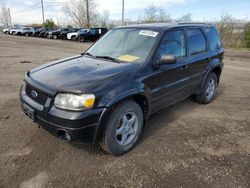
(213, 38)
(196, 41)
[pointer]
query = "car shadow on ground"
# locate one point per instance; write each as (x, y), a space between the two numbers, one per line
(155, 123)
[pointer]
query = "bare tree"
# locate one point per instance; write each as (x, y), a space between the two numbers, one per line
(4, 14)
(155, 14)
(231, 30)
(104, 19)
(186, 18)
(83, 12)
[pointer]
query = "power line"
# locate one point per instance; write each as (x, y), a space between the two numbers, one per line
(28, 8)
(38, 6)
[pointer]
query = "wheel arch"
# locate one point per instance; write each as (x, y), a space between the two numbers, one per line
(217, 70)
(216, 67)
(140, 98)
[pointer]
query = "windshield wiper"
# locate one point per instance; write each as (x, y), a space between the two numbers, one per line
(109, 58)
(89, 54)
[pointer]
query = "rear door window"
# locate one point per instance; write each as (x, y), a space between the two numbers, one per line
(196, 41)
(213, 38)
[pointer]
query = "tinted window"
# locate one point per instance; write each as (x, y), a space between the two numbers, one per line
(173, 43)
(196, 41)
(92, 31)
(213, 38)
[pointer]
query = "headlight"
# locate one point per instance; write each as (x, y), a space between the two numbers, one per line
(74, 102)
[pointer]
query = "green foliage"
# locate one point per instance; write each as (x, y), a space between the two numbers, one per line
(247, 35)
(49, 23)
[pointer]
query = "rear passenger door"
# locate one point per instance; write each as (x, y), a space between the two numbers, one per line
(199, 56)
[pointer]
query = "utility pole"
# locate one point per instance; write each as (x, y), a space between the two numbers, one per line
(9, 17)
(42, 10)
(122, 12)
(87, 6)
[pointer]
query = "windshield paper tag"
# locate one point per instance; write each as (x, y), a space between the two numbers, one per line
(128, 58)
(148, 33)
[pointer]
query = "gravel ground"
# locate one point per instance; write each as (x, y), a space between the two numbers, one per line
(185, 145)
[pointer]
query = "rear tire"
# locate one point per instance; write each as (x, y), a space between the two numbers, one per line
(54, 37)
(123, 128)
(209, 89)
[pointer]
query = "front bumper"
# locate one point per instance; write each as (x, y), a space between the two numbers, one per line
(79, 125)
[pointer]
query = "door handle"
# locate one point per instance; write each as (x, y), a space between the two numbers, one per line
(184, 66)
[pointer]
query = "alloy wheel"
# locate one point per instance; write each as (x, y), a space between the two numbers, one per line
(210, 89)
(127, 128)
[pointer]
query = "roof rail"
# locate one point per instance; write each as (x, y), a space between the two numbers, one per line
(201, 23)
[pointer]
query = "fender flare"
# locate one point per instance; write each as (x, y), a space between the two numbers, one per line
(117, 100)
(214, 64)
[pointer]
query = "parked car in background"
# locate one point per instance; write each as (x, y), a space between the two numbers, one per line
(31, 31)
(56, 33)
(13, 30)
(44, 33)
(74, 36)
(21, 31)
(37, 32)
(64, 34)
(92, 35)
(6, 30)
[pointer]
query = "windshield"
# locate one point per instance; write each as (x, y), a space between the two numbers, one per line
(126, 45)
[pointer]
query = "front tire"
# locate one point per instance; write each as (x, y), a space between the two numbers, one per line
(54, 37)
(73, 38)
(123, 128)
(208, 93)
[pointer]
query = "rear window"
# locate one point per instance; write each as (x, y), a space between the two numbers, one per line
(213, 38)
(197, 41)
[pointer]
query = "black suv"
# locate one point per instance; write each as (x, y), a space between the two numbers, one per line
(55, 34)
(93, 34)
(31, 31)
(107, 93)
(40, 32)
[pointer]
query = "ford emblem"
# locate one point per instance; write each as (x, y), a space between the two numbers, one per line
(34, 94)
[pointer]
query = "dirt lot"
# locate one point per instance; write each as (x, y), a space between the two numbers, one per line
(186, 145)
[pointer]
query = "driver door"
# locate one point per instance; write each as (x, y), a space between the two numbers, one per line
(169, 82)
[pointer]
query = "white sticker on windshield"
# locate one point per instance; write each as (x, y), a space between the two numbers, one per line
(148, 33)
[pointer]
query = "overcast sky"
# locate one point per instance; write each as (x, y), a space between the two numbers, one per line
(29, 11)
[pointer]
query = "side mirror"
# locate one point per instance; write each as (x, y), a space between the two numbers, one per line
(167, 59)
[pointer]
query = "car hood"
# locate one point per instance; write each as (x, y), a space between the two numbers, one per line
(77, 74)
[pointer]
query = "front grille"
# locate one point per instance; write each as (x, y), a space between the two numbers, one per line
(41, 95)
